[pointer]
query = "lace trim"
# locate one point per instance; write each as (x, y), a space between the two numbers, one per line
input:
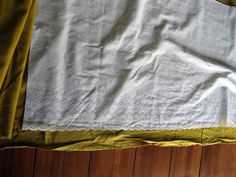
(104, 126)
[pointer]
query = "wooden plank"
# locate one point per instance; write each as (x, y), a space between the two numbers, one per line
(123, 163)
(61, 164)
(48, 163)
(17, 162)
(186, 161)
(101, 164)
(76, 164)
(218, 161)
(152, 162)
(115, 163)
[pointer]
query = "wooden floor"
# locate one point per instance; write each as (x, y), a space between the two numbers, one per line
(196, 161)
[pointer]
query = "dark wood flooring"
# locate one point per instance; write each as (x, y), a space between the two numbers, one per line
(195, 161)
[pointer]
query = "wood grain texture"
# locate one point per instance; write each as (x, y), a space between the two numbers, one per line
(77, 164)
(152, 162)
(185, 161)
(218, 161)
(115, 163)
(61, 164)
(195, 161)
(17, 162)
(123, 163)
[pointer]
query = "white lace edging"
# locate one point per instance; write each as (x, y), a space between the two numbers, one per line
(104, 126)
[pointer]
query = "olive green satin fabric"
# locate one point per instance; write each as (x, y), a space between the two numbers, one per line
(228, 2)
(16, 21)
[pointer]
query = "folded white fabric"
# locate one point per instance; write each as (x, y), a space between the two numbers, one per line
(132, 64)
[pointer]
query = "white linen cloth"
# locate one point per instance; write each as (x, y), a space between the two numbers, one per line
(131, 64)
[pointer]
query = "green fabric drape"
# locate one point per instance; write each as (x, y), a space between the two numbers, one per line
(228, 2)
(16, 21)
